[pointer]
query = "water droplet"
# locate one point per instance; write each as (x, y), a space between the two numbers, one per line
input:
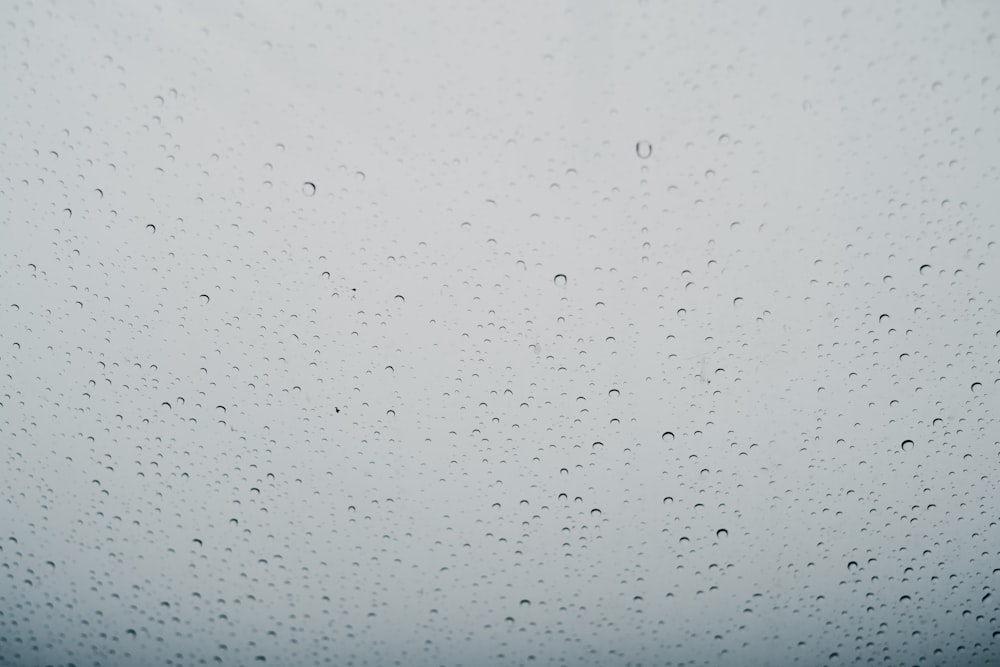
(204, 298)
(976, 386)
(308, 188)
(722, 532)
(560, 280)
(525, 603)
(595, 512)
(644, 149)
(667, 436)
(853, 565)
(907, 445)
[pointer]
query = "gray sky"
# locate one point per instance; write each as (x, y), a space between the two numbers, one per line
(295, 267)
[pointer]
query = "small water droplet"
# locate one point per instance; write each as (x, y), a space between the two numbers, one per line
(643, 149)
(667, 436)
(560, 280)
(308, 188)
(722, 532)
(907, 445)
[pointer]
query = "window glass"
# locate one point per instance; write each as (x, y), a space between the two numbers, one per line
(454, 333)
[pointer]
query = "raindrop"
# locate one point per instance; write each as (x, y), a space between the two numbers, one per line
(907, 445)
(667, 436)
(722, 532)
(308, 189)
(976, 386)
(560, 280)
(595, 512)
(204, 298)
(852, 566)
(643, 149)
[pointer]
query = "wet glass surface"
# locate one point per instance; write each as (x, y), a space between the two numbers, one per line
(499, 333)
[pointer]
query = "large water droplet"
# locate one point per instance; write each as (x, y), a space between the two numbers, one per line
(308, 188)
(560, 280)
(643, 149)
(667, 436)
(907, 445)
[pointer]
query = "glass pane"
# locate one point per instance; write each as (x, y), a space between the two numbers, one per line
(641, 333)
